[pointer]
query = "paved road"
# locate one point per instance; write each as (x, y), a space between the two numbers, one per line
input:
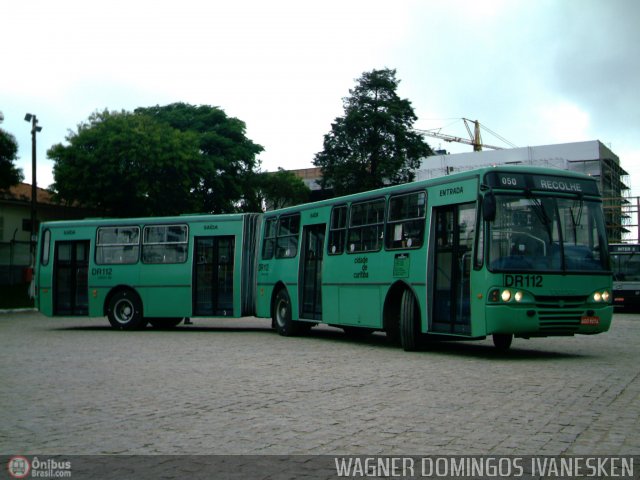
(74, 386)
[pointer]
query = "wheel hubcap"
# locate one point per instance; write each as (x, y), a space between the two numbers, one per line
(282, 313)
(123, 311)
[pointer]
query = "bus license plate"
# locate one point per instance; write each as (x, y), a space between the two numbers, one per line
(590, 320)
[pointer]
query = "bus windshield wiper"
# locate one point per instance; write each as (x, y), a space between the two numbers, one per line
(576, 220)
(542, 215)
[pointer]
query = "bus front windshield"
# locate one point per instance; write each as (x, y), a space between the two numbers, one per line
(547, 234)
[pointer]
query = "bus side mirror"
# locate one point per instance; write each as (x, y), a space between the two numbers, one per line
(489, 207)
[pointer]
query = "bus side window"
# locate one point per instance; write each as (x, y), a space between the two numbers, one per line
(287, 236)
(405, 223)
(165, 244)
(366, 226)
(117, 245)
(338, 230)
(269, 241)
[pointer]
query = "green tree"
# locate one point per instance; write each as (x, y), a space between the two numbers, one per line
(9, 174)
(227, 179)
(282, 189)
(374, 143)
(157, 161)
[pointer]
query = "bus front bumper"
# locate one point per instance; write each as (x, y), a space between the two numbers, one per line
(532, 321)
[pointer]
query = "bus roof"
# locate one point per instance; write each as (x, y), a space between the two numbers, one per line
(454, 177)
(188, 218)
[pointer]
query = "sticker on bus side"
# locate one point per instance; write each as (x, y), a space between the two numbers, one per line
(401, 265)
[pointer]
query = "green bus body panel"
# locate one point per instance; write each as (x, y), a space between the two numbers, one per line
(166, 290)
(356, 286)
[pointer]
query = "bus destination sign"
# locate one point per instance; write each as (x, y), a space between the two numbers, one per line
(557, 184)
(622, 248)
(545, 183)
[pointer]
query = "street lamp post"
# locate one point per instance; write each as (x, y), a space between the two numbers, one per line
(34, 192)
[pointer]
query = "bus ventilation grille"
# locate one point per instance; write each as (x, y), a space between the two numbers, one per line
(560, 314)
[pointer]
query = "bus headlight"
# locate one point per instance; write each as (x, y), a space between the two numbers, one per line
(505, 295)
(497, 295)
(603, 296)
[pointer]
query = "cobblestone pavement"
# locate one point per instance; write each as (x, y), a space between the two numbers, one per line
(74, 386)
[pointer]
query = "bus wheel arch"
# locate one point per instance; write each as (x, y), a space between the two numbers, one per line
(401, 316)
(409, 322)
(123, 306)
(281, 314)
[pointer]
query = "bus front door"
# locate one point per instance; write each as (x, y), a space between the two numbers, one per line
(70, 278)
(455, 230)
(213, 276)
(311, 271)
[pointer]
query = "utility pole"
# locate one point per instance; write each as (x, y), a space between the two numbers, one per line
(34, 187)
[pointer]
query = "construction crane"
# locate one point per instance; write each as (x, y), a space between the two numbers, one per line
(475, 138)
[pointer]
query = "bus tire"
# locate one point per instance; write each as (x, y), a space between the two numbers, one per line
(165, 323)
(409, 322)
(502, 341)
(281, 315)
(125, 311)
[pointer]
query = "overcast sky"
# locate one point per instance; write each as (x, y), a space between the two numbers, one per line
(537, 72)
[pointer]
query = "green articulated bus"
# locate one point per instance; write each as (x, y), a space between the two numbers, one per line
(503, 251)
(148, 270)
(507, 251)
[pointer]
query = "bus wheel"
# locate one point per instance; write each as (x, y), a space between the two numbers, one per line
(282, 314)
(502, 341)
(165, 322)
(409, 322)
(125, 311)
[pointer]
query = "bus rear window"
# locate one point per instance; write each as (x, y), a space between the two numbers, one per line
(366, 226)
(165, 244)
(117, 245)
(405, 223)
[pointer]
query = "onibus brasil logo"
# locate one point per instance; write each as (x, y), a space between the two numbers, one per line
(20, 467)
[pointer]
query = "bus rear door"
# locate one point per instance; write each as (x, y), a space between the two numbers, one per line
(70, 278)
(213, 276)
